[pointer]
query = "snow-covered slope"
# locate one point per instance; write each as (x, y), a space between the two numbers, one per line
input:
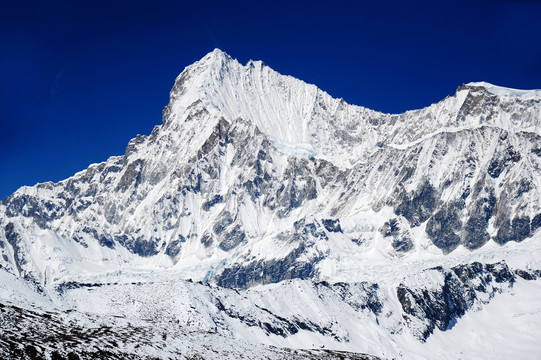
(406, 313)
(255, 177)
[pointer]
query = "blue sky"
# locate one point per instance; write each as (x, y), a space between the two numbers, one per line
(79, 79)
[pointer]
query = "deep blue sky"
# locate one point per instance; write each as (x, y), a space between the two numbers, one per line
(79, 79)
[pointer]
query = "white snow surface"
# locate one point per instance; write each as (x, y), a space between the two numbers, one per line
(507, 326)
(504, 91)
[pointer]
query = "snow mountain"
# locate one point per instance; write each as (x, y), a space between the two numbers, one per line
(258, 187)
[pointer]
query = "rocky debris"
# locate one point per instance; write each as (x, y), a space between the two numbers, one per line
(39, 334)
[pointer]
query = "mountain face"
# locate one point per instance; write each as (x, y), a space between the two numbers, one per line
(254, 178)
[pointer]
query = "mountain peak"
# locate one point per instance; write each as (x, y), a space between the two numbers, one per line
(503, 91)
(215, 55)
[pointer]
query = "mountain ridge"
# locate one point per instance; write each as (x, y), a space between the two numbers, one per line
(217, 53)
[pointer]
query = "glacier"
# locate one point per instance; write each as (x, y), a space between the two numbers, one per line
(259, 191)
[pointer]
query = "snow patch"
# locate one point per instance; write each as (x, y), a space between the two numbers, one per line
(504, 91)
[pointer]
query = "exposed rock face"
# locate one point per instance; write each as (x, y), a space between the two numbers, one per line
(460, 289)
(399, 231)
(264, 178)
